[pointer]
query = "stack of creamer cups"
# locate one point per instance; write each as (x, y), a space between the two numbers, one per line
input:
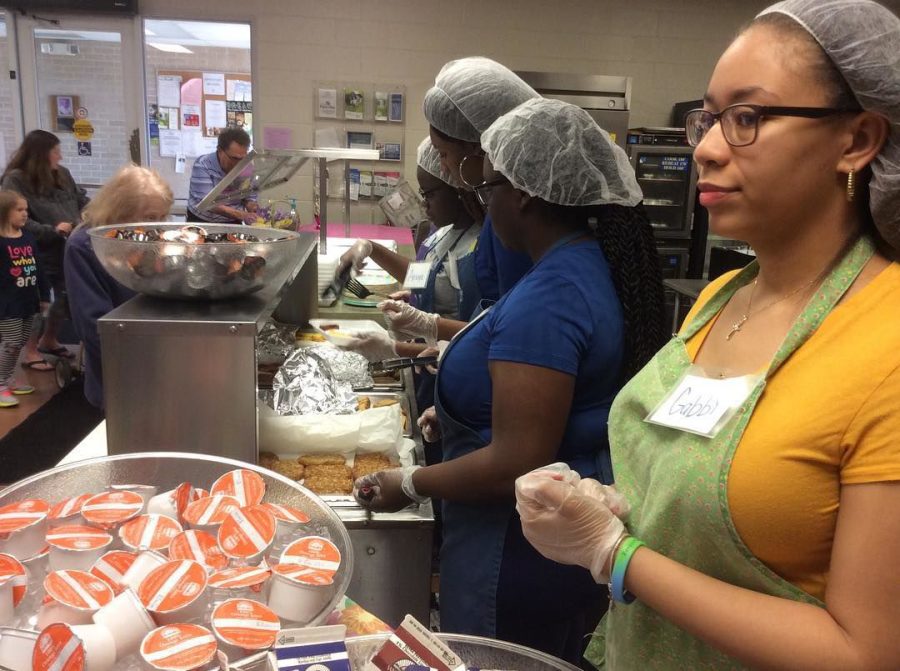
(132, 579)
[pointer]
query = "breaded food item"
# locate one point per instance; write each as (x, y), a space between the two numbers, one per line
(321, 460)
(369, 463)
(290, 469)
(309, 336)
(268, 459)
(384, 402)
(363, 403)
(328, 479)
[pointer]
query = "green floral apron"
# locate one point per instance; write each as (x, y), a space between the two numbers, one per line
(677, 483)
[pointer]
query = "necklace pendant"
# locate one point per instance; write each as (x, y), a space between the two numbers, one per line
(736, 327)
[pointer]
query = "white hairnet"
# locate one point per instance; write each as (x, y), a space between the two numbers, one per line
(470, 93)
(555, 151)
(429, 160)
(862, 38)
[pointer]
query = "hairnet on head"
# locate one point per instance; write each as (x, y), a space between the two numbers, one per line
(862, 38)
(470, 93)
(555, 151)
(429, 160)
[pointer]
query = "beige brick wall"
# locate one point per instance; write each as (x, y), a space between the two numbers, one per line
(669, 47)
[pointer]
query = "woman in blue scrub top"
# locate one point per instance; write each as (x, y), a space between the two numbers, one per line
(531, 380)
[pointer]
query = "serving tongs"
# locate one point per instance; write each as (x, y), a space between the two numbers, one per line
(334, 290)
(390, 365)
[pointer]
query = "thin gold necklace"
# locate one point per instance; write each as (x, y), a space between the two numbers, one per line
(736, 327)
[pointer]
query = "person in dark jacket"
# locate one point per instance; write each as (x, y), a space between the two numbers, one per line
(132, 195)
(55, 203)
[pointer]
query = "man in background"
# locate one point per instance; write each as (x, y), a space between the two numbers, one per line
(209, 169)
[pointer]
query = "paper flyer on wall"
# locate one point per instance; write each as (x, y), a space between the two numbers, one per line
(328, 103)
(381, 106)
(354, 104)
(215, 116)
(191, 142)
(238, 89)
(169, 142)
(168, 91)
(213, 84)
(190, 116)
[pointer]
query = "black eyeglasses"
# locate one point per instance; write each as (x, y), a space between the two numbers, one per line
(484, 190)
(740, 123)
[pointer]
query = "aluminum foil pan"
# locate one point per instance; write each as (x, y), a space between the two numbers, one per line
(319, 380)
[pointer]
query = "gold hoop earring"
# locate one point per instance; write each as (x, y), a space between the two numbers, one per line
(851, 185)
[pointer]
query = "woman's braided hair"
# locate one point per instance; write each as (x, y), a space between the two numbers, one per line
(626, 238)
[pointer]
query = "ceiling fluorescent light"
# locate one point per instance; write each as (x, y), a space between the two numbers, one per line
(171, 48)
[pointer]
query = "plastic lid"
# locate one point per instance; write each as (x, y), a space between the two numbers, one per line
(68, 507)
(179, 647)
(210, 510)
(246, 624)
(172, 586)
(313, 552)
(245, 485)
(111, 567)
(111, 508)
(247, 532)
(286, 513)
(242, 576)
(199, 546)
(21, 514)
(304, 575)
(78, 537)
(57, 648)
(11, 568)
(149, 532)
(78, 589)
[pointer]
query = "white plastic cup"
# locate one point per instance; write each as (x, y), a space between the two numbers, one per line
(26, 542)
(163, 504)
(99, 646)
(7, 607)
(77, 558)
(16, 649)
(128, 621)
(54, 611)
(298, 602)
(146, 492)
(143, 564)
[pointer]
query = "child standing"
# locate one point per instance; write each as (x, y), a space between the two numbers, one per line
(23, 292)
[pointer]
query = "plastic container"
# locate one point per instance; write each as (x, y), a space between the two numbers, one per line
(68, 511)
(243, 582)
(175, 592)
(23, 525)
(247, 534)
(288, 519)
(149, 532)
(128, 621)
(243, 627)
(243, 484)
(299, 594)
(12, 570)
(112, 567)
(198, 546)
(146, 492)
(179, 647)
(76, 546)
(173, 502)
(209, 512)
(110, 509)
(74, 596)
(16, 648)
(7, 606)
(62, 647)
(141, 567)
(313, 552)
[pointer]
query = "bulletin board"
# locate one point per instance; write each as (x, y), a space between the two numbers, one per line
(215, 111)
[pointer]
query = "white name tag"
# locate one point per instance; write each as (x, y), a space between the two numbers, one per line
(417, 275)
(701, 404)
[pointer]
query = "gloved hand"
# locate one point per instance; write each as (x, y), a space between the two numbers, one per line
(437, 350)
(569, 523)
(402, 295)
(373, 345)
(561, 471)
(387, 491)
(431, 427)
(407, 323)
(355, 256)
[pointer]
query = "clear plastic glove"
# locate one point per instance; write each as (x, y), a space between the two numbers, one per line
(430, 426)
(561, 471)
(568, 522)
(402, 295)
(373, 345)
(387, 491)
(354, 257)
(429, 351)
(407, 323)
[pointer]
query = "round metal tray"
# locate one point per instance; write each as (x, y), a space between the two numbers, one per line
(166, 470)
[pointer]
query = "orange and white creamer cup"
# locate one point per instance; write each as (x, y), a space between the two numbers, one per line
(76, 546)
(68, 511)
(17, 649)
(72, 597)
(199, 546)
(313, 552)
(178, 647)
(300, 594)
(288, 518)
(146, 492)
(110, 509)
(248, 582)
(173, 502)
(141, 567)
(209, 512)
(247, 533)
(149, 532)
(244, 625)
(245, 485)
(62, 647)
(22, 527)
(127, 620)
(13, 570)
(112, 566)
(175, 592)
(7, 606)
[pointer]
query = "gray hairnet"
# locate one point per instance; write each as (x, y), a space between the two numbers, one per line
(470, 93)
(429, 160)
(862, 39)
(555, 151)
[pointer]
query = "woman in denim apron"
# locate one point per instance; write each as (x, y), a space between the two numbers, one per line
(758, 450)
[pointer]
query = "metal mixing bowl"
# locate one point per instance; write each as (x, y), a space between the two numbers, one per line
(166, 470)
(203, 271)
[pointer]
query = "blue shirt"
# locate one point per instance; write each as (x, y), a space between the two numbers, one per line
(497, 268)
(92, 293)
(564, 315)
(205, 175)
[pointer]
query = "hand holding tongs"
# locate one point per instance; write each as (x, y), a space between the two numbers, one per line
(389, 365)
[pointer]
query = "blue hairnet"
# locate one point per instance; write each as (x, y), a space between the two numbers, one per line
(862, 38)
(429, 160)
(555, 151)
(470, 93)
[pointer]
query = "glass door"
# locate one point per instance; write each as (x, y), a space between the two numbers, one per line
(86, 89)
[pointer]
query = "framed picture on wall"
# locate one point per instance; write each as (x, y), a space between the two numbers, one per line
(62, 111)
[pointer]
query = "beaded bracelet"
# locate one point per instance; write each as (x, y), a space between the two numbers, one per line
(617, 580)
